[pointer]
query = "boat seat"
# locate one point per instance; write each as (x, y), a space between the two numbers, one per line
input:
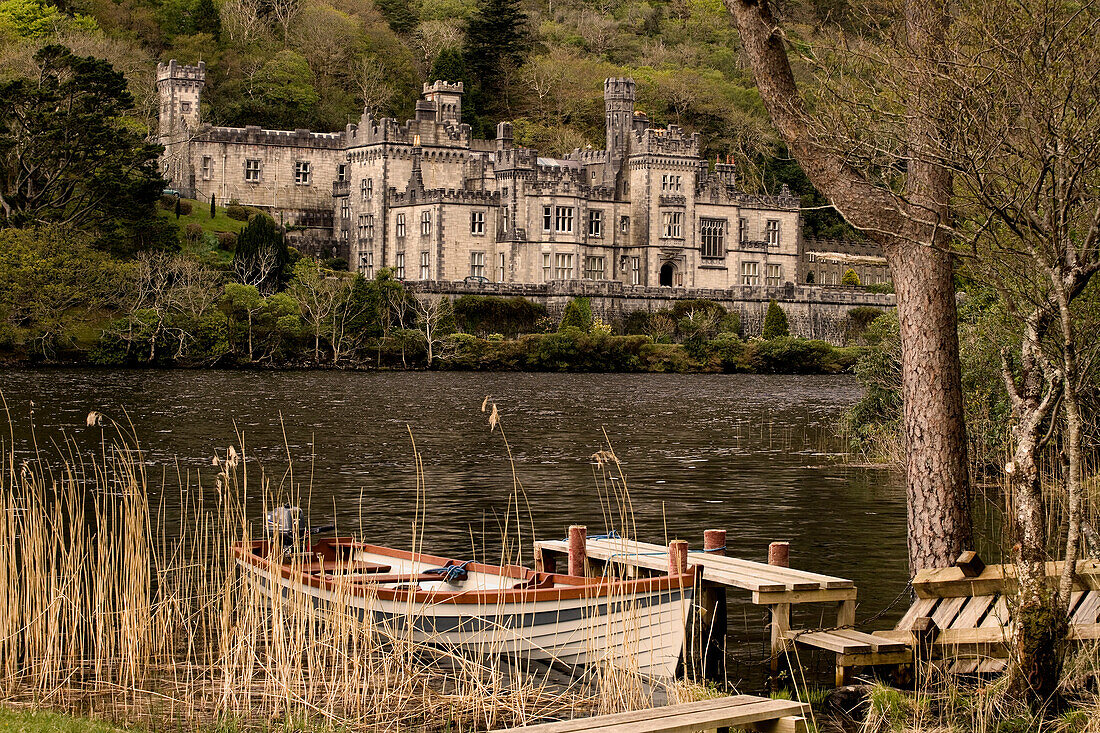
(343, 566)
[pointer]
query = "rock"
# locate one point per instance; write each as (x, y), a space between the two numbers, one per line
(848, 703)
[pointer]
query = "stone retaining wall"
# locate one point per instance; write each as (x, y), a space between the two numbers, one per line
(812, 311)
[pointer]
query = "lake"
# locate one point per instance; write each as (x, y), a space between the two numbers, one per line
(756, 455)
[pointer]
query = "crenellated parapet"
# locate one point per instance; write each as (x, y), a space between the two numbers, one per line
(672, 140)
(255, 135)
(444, 196)
(372, 131)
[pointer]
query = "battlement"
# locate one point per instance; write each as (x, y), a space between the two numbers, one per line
(590, 157)
(672, 140)
(618, 88)
(254, 135)
(372, 130)
(444, 196)
(445, 87)
(177, 71)
(516, 158)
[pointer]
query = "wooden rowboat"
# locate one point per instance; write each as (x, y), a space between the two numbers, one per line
(486, 609)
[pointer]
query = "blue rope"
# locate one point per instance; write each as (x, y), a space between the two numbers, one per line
(451, 573)
(713, 549)
(612, 535)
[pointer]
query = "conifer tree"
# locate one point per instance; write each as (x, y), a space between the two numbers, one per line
(213, 208)
(497, 38)
(775, 322)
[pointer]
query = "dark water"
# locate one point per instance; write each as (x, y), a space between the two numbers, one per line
(752, 454)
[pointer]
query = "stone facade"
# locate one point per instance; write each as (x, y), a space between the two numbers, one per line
(432, 202)
(824, 262)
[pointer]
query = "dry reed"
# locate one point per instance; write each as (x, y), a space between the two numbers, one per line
(133, 610)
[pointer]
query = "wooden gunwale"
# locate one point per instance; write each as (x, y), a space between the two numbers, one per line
(571, 587)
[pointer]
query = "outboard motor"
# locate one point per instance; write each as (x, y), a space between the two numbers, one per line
(284, 526)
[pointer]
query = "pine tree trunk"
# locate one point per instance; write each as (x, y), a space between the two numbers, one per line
(936, 468)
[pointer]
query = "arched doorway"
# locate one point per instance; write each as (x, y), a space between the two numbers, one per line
(668, 270)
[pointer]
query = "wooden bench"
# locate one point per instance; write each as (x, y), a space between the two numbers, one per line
(741, 711)
(961, 616)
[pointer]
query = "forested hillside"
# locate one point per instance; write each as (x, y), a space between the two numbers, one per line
(540, 63)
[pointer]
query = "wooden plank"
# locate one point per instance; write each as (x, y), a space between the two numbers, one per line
(878, 644)
(921, 607)
(963, 666)
(567, 726)
(990, 666)
(863, 660)
(634, 553)
(950, 582)
(786, 724)
(749, 572)
(947, 610)
(804, 596)
(792, 577)
(832, 642)
(706, 714)
(998, 615)
(972, 612)
(1087, 609)
(1084, 632)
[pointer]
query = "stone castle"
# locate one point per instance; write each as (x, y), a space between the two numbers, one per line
(433, 203)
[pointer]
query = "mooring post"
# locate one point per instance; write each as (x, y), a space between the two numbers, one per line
(713, 612)
(578, 550)
(677, 557)
(779, 554)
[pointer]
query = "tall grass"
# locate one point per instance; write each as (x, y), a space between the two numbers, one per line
(133, 609)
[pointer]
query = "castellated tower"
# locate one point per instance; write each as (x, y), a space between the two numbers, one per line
(618, 101)
(447, 97)
(180, 90)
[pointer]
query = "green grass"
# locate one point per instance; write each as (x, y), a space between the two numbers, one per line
(33, 721)
(200, 214)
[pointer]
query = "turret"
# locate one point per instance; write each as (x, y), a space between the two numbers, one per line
(447, 97)
(618, 101)
(180, 91)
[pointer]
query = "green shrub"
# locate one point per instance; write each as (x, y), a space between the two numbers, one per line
(666, 358)
(775, 322)
(184, 208)
(850, 279)
(730, 323)
(167, 202)
(790, 355)
(227, 241)
(728, 350)
(193, 232)
(578, 314)
(481, 315)
(237, 212)
(857, 321)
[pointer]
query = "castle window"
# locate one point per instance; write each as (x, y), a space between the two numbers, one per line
(207, 167)
(425, 223)
(502, 265)
(342, 172)
(345, 208)
(477, 264)
(399, 266)
(185, 108)
(252, 170)
(425, 265)
(563, 219)
(673, 225)
(363, 189)
(635, 270)
(303, 174)
(366, 263)
(366, 227)
(594, 268)
(595, 223)
(563, 267)
(546, 270)
(771, 232)
(750, 273)
(671, 183)
(775, 275)
(400, 225)
(742, 230)
(713, 232)
(624, 224)
(477, 222)
(547, 218)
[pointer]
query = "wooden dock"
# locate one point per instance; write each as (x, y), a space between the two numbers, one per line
(773, 585)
